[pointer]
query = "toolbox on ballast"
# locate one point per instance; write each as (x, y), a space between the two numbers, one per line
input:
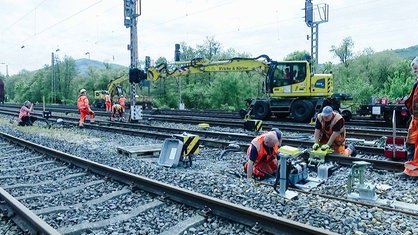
(395, 148)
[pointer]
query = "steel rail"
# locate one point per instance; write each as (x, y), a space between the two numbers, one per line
(211, 139)
(363, 203)
(208, 205)
(22, 214)
(244, 140)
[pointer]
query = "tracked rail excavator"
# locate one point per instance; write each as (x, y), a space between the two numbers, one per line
(291, 89)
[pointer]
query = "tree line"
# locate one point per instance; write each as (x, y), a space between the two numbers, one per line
(362, 75)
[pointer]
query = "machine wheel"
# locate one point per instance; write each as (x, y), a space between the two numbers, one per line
(261, 109)
(347, 115)
(302, 110)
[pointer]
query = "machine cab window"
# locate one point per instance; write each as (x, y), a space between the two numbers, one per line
(289, 73)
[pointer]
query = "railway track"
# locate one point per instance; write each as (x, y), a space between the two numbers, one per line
(57, 193)
(219, 139)
(276, 202)
(355, 122)
(371, 136)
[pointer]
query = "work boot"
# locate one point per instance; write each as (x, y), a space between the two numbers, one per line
(353, 150)
(402, 175)
(410, 151)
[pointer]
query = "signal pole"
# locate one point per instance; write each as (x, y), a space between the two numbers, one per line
(132, 9)
(312, 20)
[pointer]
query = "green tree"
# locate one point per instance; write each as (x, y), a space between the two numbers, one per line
(297, 55)
(344, 51)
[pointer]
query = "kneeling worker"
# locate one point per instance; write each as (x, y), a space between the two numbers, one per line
(330, 133)
(25, 114)
(262, 155)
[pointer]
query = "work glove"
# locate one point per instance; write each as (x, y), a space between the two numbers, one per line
(315, 146)
(324, 147)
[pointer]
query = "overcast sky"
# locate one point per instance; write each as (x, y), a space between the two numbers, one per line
(31, 30)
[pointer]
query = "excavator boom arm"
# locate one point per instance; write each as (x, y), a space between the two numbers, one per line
(260, 64)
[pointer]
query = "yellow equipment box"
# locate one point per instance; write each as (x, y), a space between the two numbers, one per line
(190, 143)
(292, 151)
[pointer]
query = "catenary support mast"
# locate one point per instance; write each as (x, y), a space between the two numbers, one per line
(315, 15)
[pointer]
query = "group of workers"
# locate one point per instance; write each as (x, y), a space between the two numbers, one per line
(262, 153)
(329, 133)
(117, 109)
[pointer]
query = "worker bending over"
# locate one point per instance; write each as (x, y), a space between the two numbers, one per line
(330, 133)
(262, 155)
(117, 110)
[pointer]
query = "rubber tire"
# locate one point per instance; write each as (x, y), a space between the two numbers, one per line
(302, 110)
(261, 109)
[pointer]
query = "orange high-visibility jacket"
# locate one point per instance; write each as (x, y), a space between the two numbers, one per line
(328, 132)
(258, 144)
(83, 102)
(24, 111)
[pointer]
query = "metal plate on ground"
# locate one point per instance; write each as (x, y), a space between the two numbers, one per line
(141, 150)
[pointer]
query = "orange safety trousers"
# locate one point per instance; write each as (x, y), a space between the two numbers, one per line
(411, 167)
(84, 113)
(108, 106)
(261, 168)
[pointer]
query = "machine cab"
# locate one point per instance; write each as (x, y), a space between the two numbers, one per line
(289, 79)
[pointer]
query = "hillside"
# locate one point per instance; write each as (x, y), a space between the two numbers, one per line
(407, 53)
(83, 64)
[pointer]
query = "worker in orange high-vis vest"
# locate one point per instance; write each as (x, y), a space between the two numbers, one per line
(330, 133)
(84, 108)
(25, 114)
(108, 102)
(411, 166)
(122, 101)
(262, 155)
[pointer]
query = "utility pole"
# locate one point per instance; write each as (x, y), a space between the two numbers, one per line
(52, 78)
(315, 15)
(132, 9)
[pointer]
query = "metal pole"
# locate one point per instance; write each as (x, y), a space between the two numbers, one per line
(132, 9)
(52, 78)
